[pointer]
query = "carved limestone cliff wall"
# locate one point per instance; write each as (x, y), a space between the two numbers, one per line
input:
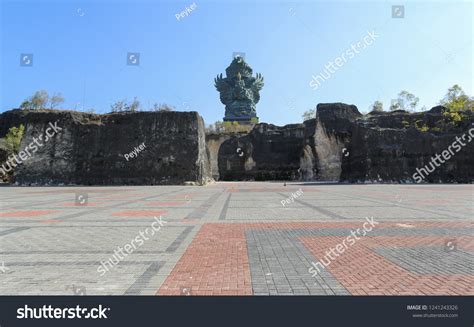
(268, 152)
(91, 149)
(393, 146)
(379, 147)
(213, 144)
(334, 122)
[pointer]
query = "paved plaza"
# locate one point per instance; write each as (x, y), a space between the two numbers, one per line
(242, 238)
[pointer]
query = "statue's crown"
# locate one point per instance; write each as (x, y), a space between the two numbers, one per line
(238, 65)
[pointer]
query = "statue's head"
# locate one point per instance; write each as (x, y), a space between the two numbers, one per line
(238, 66)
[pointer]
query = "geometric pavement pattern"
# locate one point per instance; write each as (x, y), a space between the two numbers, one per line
(238, 239)
(278, 255)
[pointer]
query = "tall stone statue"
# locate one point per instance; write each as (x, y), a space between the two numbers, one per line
(239, 91)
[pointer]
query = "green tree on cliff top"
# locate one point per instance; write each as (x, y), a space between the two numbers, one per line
(405, 101)
(455, 102)
(42, 100)
(309, 114)
(377, 106)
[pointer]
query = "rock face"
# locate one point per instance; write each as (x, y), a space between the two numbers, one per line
(3, 157)
(334, 124)
(150, 148)
(269, 152)
(93, 149)
(214, 142)
(341, 144)
(392, 147)
(308, 152)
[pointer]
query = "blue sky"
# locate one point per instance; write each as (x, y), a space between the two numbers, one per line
(79, 50)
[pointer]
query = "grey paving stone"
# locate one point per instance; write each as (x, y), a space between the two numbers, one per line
(430, 260)
(46, 254)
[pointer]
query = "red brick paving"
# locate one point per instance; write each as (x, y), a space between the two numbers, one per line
(28, 213)
(216, 262)
(139, 213)
(165, 204)
(363, 272)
